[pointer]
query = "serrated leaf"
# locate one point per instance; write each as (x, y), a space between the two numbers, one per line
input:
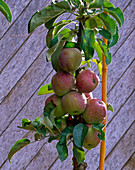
(5, 10)
(88, 43)
(96, 4)
(46, 14)
(109, 23)
(98, 63)
(62, 151)
(117, 14)
(79, 134)
(106, 34)
(46, 89)
(109, 107)
(79, 154)
(17, 146)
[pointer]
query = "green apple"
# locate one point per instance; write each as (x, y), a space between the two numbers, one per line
(91, 139)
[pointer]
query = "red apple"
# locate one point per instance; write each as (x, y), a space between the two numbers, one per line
(91, 139)
(59, 112)
(95, 111)
(73, 103)
(62, 83)
(70, 59)
(86, 81)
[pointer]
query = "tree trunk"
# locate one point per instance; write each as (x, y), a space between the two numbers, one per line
(78, 166)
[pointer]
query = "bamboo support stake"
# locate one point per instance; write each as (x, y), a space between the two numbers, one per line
(104, 98)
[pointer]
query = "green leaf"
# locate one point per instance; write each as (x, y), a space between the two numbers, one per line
(68, 130)
(117, 14)
(96, 4)
(63, 5)
(51, 138)
(17, 146)
(109, 23)
(46, 89)
(37, 136)
(114, 41)
(108, 4)
(109, 107)
(99, 51)
(47, 122)
(106, 34)
(62, 151)
(105, 51)
(98, 63)
(99, 127)
(91, 23)
(60, 25)
(108, 58)
(48, 109)
(26, 124)
(41, 129)
(88, 43)
(88, 1)
(47, 14)
(55, 55)
(79, 154)
(79, 134)
(54, 48)
(70, 45)
(5, 10)
(50, 23)
(76, 3)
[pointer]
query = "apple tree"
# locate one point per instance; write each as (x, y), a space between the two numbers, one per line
(71, 113)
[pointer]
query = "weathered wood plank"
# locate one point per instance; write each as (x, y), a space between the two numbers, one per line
(16, 7)
(130, 165)
(121, 152)
(31, 110)
(121, 3)
(128, 26)
(18, 33)
(24, 90)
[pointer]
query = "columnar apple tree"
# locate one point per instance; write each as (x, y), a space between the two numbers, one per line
(71, 113)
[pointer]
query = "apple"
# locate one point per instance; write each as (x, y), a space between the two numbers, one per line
(91, 139)
(56, 100)
(70, 59)
(95, 111)
(86, 81)
(62, 83)
(74, 103)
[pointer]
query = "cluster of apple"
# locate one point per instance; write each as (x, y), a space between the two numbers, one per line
(73, 94)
